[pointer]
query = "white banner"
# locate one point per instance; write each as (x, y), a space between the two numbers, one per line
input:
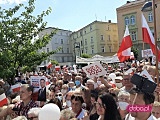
(94, 70)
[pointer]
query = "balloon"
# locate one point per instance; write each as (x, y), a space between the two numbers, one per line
(49, 112)
(112, 76)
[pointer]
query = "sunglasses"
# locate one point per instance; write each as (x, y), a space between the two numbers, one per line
(58, 95)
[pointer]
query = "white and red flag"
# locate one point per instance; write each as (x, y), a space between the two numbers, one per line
(49, 65)
(16, 87)
(148, 37)
(124, 51)
(57, 68)
(3, 100)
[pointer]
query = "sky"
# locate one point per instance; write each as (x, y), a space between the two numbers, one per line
(72, 14)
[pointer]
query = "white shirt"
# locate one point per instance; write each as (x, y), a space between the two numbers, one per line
(132, 118)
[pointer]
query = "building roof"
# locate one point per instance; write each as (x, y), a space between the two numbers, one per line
(109, 21)
(131, 3)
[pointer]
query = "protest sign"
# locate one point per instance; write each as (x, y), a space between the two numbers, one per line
(94, 70)
(35, 82)
(147, 53)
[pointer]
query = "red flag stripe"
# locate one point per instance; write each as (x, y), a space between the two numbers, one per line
(125, 47)
(16, 89)
(148, 37)
(3, 100)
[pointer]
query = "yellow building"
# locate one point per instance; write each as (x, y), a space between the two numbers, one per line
(130, 14)
(96, 38)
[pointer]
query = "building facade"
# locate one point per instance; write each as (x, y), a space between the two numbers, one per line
(96, 38)
(60, 39)
(130, 14)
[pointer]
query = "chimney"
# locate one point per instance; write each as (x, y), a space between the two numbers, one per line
(109, 21)
(128, 2)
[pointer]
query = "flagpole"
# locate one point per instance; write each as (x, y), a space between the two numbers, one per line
(155, 37)
(143, 54)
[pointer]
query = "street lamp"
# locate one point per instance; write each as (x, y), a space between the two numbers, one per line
(148, 6)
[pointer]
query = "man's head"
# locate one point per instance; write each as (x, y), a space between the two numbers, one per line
(156, 109)
(42, 83)
(76, 102)
(69, 76)
(78, 81)
(141, 99)
(90, 84)
(126, 80)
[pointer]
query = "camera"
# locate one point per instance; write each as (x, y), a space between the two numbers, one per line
(143, 84)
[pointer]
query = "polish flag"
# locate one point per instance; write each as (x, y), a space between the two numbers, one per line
(124, 51)
(57, 68)
(3, 100)
(49, 65)
(148, 37)
(16, 87)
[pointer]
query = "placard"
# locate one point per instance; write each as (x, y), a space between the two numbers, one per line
(147, 53)
(94, 70)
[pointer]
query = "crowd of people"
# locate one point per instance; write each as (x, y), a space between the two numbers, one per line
(81, 98)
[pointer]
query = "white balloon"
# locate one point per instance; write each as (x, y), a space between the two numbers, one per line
(49, 112)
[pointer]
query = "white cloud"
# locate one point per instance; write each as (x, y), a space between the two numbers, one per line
(11, 1)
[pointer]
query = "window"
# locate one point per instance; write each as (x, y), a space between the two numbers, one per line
(67, 50)
(132, 20)
(86, 50)
(47, 50)
(150, 17)
(102, 49)
(133, 35)
(85, 41)
(82, 51)
(62, 59)
(91, 39)
(61, 41)
(84, 31)
(108, 28)
(109, 38)
(80, 33)
(126, 21)
(91, 28)
(81, 43)
(110, 49)
(92, 50)
(102, 38)
(62, 50)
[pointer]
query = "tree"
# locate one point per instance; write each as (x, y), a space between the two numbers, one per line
(18, 37)
(135, 51)
(84, 55)
(54, 62)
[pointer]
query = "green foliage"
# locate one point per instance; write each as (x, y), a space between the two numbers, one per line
(135, 51)
(18, 37)
(85, 55)
(54, 62)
